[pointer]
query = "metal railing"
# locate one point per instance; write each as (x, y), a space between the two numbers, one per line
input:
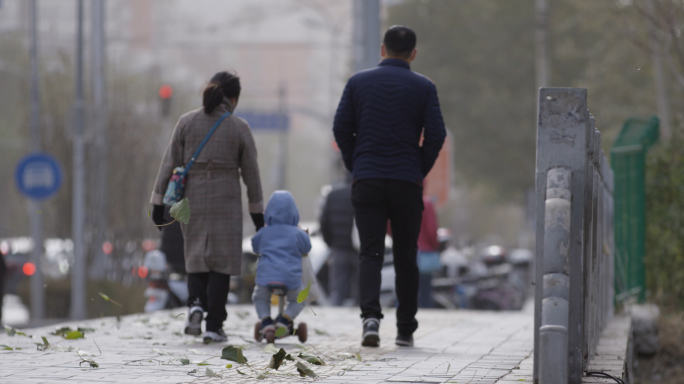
(575, 247)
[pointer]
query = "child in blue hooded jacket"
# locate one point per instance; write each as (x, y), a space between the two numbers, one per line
(280, 246)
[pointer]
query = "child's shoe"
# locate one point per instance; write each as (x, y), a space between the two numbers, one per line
(284, 321)
(268, 329)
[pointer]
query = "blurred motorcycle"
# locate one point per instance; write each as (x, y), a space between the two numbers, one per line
(166, 290)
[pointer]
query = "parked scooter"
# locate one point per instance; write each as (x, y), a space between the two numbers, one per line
(166, 290)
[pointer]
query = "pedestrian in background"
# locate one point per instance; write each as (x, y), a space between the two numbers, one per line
(213, 237)
(428, 253)
(3, 273)
(378, 125)
(171, 244)
(337, 224)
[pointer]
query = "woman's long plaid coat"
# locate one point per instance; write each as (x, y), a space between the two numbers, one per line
(213, 237)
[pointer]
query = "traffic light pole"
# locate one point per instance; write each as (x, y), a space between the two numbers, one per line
(78, 280)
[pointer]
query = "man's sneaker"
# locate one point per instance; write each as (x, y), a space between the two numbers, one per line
(283, 321)
(193, 324)
(404, 341)
(215, 336)
(371, 332)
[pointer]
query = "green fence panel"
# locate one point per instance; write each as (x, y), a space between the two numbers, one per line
(628, 159)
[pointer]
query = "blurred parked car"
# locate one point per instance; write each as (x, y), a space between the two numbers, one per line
(17, 252)
(14, 312)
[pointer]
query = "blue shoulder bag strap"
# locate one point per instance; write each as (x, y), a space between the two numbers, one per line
(204, 142)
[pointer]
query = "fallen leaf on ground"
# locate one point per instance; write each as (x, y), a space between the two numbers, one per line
(277, 359)
(232, 353)
(304, 370)
(311, 359)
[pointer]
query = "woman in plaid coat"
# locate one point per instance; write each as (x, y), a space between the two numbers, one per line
(213, 237)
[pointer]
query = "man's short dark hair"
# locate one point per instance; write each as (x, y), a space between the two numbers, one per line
(400, 41)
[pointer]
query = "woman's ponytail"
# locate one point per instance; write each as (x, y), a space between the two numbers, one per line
(211, 98)
(222, 84)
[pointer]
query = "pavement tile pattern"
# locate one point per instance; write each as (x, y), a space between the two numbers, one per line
(450, 347)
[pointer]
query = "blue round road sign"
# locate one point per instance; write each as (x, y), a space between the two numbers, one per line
(38, 176)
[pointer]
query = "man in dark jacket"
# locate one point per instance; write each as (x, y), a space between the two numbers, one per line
(337, 223)
(380, 119)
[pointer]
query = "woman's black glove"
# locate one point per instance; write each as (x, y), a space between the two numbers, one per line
(158, 215)
(258, 220)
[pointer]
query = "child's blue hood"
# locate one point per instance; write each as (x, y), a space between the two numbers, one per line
(281, 209)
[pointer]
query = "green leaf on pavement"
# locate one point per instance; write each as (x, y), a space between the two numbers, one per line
(44, 345)
(304, 370)
(229, 366)
(90, 362)
(61, 331)
(281, 332)
(185, 361)
(202, 363)
(311, 359)
(73, 335)
(277, 359)
(11, 331)
(181, 211)
(106, 298)
(304, 293)
(270, 348)
(240, 372)
(358, 356)
(234, 354)
(4, 347)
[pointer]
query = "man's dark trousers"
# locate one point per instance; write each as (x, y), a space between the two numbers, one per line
(376, 201)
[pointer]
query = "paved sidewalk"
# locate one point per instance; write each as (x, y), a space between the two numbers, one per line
(451, 347)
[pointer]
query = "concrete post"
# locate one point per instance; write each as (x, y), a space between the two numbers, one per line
(562, 126)
(553, 333)
(575, 245)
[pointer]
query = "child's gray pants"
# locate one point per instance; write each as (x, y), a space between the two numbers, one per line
(262, 302)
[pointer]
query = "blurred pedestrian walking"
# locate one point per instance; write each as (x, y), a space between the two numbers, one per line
(213, 237)
(428, 253)
(378, 126)
(3, 273)
(171, 244)
(337, 224)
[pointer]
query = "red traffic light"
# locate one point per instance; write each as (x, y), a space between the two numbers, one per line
(165, 91)
(29, 269)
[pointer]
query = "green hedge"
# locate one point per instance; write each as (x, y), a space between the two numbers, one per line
(665, 224)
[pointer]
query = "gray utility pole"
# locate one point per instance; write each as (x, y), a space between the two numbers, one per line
(34, 206)
(78, 281)
(98, 76)
(541, 43)
(366, 38)
(659, 78)
(284, 133)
